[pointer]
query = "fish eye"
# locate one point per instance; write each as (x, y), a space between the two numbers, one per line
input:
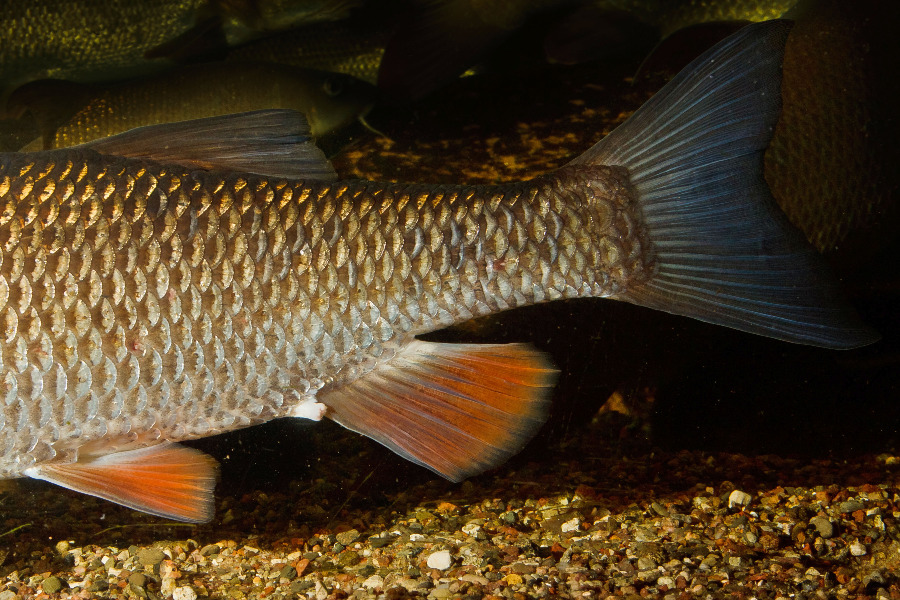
(333, 86)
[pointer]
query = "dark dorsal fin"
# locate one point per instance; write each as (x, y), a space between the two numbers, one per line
(273, 143)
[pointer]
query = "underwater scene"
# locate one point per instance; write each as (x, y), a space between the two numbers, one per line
(449, 299)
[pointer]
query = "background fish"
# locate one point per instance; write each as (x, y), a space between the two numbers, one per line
(437, 40)
(86, 41)
(246, 19)
(830, 164)
(69, 114)
(343, 47)
(186, 279)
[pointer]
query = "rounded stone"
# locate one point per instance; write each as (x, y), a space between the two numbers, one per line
(739, 498)
(823, 526)
(52, 584)
(150, 556)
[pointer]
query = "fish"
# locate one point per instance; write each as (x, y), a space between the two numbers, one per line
(437, 40)
(187, 279)
(79, 40)
(668, 16)
(246, 19)
(340, 47)
(830, 164)
(69, 114)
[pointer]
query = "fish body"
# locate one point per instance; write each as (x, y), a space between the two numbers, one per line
(86, 40)
(244, 19)
(338, 47)
(89, 41)
(188, 279)
(70, 114)
(830, 161)
(671, 15)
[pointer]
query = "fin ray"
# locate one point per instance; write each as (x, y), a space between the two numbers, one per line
(724, 251)
(165, 479)
(273, 143)
(457, 409)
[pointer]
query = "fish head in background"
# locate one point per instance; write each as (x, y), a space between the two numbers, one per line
(335, 100)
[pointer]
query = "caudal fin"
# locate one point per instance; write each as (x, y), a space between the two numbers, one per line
(725, 252)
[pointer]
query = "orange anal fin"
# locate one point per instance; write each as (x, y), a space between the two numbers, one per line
(458, 409)
(165, 479)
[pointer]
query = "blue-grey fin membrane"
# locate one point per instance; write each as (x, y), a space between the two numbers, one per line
(725, 252)
(272, 143)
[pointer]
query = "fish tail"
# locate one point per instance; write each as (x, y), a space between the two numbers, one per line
(723, 251)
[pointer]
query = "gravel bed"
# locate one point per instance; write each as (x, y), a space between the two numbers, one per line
(585, 522)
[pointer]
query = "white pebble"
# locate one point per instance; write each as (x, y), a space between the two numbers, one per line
(666, 581)
(857, 549)
(167, 586)
(571, 525)
(184, 592)
(439, 560)
(375, 582)
(739, 498)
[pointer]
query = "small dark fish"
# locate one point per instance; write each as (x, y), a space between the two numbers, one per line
(69, 114)
(182, 280)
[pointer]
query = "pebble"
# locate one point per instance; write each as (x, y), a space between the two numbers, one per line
(375, 582)
(150, 556)
(347, 537)
(739, 498)
(184, 592)
(439, 560)
(380, 542)
(823, 525)
(8, 595)
(659, 509)
(858, 549)
(52, 584)
(440, 593)
(851, 506)
(573, 524)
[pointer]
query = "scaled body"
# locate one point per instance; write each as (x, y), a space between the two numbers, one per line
(140, 298)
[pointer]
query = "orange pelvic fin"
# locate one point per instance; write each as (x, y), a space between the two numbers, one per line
(164, 479)
(458, 409)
